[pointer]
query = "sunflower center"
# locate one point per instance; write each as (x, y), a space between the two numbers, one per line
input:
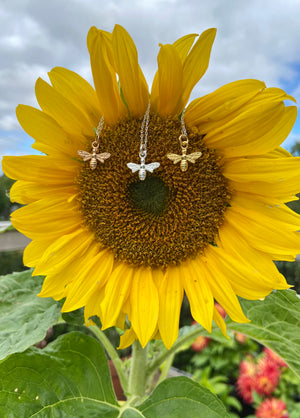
(150, 195)
(170, 216)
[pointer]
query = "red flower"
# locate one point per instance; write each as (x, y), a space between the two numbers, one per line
(246, 380)
(272, 408)
(200, 343)
(241, 338)
(267, 377)
(275, 357)
(248, 366)
(245, 386)
(221, 310)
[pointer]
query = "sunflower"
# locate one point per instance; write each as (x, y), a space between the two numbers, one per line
(127, 250)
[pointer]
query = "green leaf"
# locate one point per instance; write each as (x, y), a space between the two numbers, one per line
(181, 397)
(275, 323)
(68, 378)
(74, 317)
(71, 378)
(25, 318)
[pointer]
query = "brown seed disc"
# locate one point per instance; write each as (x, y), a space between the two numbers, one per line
(169, 217)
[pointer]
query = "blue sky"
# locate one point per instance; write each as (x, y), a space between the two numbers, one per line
(255, 39)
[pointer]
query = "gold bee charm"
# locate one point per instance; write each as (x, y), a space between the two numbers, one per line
(184, 158)
(93, 157)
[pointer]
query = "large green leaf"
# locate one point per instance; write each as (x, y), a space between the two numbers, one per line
(25, 318)
(69, 378)
(275, 323)
(179, 397)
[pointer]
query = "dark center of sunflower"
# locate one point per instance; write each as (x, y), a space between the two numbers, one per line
(171, 215)
(150, 195)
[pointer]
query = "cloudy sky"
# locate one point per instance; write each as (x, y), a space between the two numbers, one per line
(255, 39)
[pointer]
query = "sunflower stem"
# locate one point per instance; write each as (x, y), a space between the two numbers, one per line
(165, 368)
(110, 349)
(137, 380)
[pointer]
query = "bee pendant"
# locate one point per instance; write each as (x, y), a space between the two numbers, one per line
(93, 157)
(143, 167)
(184, 157)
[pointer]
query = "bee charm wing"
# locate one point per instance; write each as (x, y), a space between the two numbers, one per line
(174, 157)
(133, 167)
(103, 156)
(193, 157)
(152, 166)
(84, 155)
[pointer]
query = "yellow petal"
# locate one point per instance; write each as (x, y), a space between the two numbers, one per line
(127, 338)
(27, 192)
(278, 152)
(289, 219)
(266, 143)
(50, 137)
(95, 273)
(63, 251)
(217, 273)
(250, 125)
(196, 62)
(68, 116)
(154, 96)
(144, 304)
(235, 246)
(93, 306)
(220, 322)
(170, 299)
(284, 191)
(273, 94)
(205, 112)
(54, 285)
(133, 84)
(116, 293)
(198, 292)
(100, 49)
(52, 217)
(244, 279)
(268, 238)
(184, 44)
(34, 251)
(78, 91)
(41, 169)
(262, 169)
(170, 81)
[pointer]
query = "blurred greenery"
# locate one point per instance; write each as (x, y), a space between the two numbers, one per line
(296, 149)
(6, 206)
(11, 261)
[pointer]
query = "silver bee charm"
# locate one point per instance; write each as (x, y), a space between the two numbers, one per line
(184, 158)
(93, 157)
(143, 167)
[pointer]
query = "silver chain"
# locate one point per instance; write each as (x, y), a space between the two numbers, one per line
(183, 128)
(144, 133)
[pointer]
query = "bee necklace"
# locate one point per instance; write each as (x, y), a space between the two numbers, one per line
(184, 158)
(142, 168)
(93, 157)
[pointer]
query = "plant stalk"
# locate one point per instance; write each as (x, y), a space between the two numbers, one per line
(137, 379)
(110, 349)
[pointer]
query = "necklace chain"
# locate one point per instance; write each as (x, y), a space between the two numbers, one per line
(144, 133)
(183, 128)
